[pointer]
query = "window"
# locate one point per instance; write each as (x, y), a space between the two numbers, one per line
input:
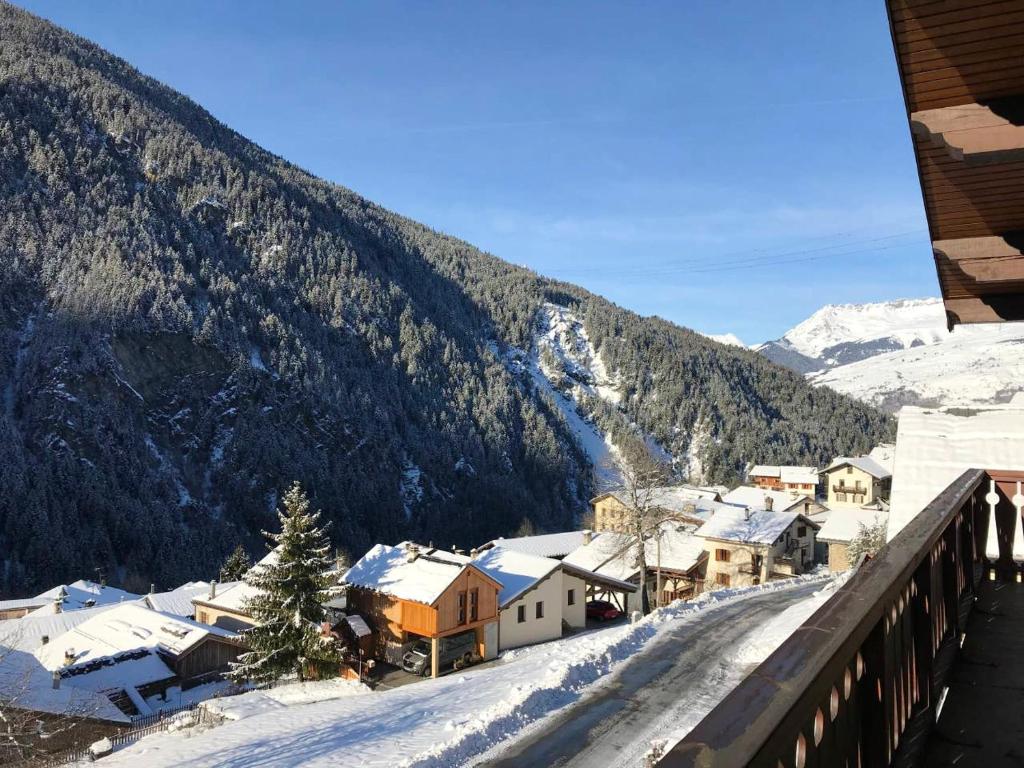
(540, 610)
(807, 508)
(462, 607)
(572, 597)
(722, 555)
(722, 579)
(474, 604)
(521, 614)
(801, 531)
(840, 497)
(201, 617)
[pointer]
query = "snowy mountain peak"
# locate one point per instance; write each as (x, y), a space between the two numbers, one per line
(903, 323)
(897, 353)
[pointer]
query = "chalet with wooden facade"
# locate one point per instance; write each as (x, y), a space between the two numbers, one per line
(408, 593)
(784, 478)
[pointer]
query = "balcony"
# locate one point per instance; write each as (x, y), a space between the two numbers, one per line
(928, 630)
(849, 489)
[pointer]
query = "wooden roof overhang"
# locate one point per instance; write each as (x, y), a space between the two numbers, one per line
(961, 63)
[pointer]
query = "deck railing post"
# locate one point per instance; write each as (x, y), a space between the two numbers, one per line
(871, 694)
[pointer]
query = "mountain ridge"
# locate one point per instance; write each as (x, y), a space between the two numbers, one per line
(899, 352)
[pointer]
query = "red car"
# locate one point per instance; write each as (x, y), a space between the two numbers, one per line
(602, 610)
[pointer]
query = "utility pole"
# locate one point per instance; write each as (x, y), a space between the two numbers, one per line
(657, 601)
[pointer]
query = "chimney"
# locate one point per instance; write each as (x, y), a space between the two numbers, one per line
(588, 536)
(411, 553)
(474, 552)
(746, 513)
(58, 605)
(769, 502)
(152, 588)
(69, 655)
(56, 680)
(213, 589)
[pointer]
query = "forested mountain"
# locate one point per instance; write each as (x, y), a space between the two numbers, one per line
(189, 323)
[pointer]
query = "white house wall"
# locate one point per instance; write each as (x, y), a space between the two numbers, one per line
(576, 614)
(512, 634)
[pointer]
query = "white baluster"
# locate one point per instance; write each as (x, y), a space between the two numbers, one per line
(992, 539)
(1018, 529)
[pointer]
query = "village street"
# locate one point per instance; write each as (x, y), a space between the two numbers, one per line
(661, 692)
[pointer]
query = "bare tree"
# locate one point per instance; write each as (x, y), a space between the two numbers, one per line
(640, 476)
(37, 714)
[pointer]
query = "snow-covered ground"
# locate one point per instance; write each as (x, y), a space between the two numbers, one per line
(966, 368)
(566, 366)
(444, 722)
(899, 352)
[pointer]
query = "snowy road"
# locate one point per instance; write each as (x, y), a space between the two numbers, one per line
(659, 694)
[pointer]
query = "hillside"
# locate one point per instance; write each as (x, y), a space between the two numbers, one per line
(188, 323)
(899, 353)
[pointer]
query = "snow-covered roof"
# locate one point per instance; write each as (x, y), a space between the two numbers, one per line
(77, 595)
(884, 454)
(26, 684)
(787, 474)
(231, 596)
(670, 497)
(125, 628)
(863, 463)
(234, 596)
(22, 602)
(749, 496)
(543, 545)
(178, 601)
(613, 554)
(27, 633)
(844, 525)
(753, 526)
(515, 571)
(358, 626)
(394, 571)
(607, 553)
(935, 447)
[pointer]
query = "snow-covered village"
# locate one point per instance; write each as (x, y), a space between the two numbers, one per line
(511, 385)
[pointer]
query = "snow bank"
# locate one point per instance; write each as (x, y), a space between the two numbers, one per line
(762, 643)
(257, 702)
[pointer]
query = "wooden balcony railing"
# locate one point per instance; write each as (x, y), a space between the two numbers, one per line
(858, 683)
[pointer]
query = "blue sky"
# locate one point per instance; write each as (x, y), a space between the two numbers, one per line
(728, 165)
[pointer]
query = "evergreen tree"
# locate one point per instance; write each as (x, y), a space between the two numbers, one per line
(289, 606)
(236, 566)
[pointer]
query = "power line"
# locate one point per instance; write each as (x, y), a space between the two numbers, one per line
(750, 259)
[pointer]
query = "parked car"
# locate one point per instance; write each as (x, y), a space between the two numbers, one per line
(457, 651)
(602, 610)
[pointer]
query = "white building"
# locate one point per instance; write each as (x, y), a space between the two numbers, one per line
(537, 595)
